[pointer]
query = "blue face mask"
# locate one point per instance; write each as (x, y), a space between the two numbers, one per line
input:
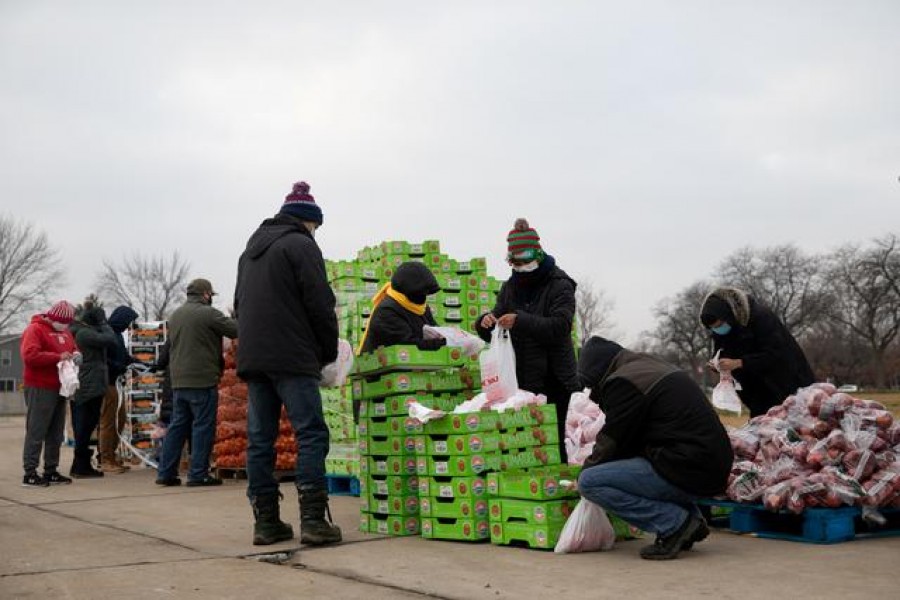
(723, 329)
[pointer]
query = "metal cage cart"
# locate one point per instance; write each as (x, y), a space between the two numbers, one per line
(141, 391)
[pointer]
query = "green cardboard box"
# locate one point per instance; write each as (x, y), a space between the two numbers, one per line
(446, 314)
(534, 512)
(454, 508)
(390, 485)
(534, 484)
(453, 487)
(390, 505)
(399, 405)
(395, 445)
(464, 423)
(389, 465)
(443, 380)
(457, 466)
(455, 529)
(406, 357)
(468, 443)
(528, 416)
(405, 426)
(536, 456)
(390, 524)
(370, 272)
(374, 426)
(450, 282)
(543, 536)
(526, 437)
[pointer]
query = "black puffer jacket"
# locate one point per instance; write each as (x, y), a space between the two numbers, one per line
(283, 303)
(391, 324)
(774, 364)
(657, 412)
(544, 302)
(95, 340)
(118, 359)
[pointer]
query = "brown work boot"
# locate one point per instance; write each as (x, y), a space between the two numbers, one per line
(113, 467)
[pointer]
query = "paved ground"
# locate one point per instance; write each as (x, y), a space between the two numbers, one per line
(122, 536)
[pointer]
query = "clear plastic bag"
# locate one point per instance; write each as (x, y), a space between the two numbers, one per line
(725, 396)
(498, 367)
(584, 420)
(68, 377)
(335, 374)
(456, 338)
(588, 529)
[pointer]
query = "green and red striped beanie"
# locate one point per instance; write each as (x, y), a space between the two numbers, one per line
(524, 243)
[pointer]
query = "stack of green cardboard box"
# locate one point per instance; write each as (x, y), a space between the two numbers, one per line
(462, 450)
(385, 382)
(466, 292)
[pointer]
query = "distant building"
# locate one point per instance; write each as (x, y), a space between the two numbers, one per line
(12, 399)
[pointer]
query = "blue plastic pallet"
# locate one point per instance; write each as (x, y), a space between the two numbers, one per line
(813, 525)
(342, 485)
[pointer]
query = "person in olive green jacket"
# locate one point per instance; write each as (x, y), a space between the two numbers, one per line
(196, 363)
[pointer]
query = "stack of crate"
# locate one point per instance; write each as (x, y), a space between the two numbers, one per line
(386, 381)
(463, 450)
(337, 407)
(143, 391)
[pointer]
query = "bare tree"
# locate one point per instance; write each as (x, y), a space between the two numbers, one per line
(785, 279)
(593, 311)
(30, 271)
(150, 285)
(679, 336)
(866, 299)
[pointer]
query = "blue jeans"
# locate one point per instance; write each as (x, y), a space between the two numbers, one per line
(633, 491)
(194, 414)
(303, 404)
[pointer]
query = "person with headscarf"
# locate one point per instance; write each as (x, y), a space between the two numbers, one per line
(756, 347)
(662, 446)
(537, 305)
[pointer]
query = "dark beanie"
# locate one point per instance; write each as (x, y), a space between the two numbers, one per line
(301, 204)
(596, 356)
(715, 309)
(415, 281)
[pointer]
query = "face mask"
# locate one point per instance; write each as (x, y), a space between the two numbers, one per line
(526, 268)
(723, 329)
(59, 326)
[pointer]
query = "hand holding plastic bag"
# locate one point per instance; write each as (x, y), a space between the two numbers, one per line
(588, 529)
(68, 377)
(335, 374)
(498, 367)
(725, 396)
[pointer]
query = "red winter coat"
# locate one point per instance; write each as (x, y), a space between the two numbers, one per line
(41, 348)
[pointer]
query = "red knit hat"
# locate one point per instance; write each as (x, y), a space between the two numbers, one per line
(61, 312)
(524, 243)
(302, 204)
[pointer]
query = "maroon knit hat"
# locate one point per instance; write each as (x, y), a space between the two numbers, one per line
(61, 312)
(301, 204)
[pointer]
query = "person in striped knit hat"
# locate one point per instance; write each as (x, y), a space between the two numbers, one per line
(45, 342)
(537, 305)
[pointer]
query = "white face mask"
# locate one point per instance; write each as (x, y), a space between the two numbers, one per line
(526, 268)
(59, 326)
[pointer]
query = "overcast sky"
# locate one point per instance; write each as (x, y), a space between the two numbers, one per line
(644, 141)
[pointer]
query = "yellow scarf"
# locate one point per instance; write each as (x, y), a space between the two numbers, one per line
(401, 299)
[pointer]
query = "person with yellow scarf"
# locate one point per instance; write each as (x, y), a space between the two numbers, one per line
(400, 310)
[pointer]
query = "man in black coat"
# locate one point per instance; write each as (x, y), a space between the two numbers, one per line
(400, 310)
(756, 347)
(537, 304)
(661, 448)
(112, 416)
(287, 331)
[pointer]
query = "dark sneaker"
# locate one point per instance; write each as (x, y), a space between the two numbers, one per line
(90, 473)
(56, 478)
(34, 480)
(702, 534)
(209, 480)
(169, 482)
(667, 548)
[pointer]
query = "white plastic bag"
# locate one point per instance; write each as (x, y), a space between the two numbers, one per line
(587, 529)
(725, 396)
(456, 338)
(498, 367)
(584, 420)
(68, 377)
(423, 414)
(335, 374)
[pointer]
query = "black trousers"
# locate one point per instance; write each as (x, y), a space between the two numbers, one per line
(85, 418)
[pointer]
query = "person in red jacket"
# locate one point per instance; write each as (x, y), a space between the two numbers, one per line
(45, 342)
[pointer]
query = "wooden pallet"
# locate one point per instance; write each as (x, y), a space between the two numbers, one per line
(342, 485)
(812, 526)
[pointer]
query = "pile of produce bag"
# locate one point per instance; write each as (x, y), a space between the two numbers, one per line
(819, 448)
